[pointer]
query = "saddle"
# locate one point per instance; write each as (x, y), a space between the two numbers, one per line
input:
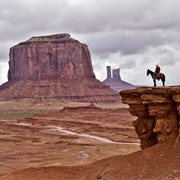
(158, 77)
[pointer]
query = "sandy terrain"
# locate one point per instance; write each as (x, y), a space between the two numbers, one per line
(43, 140)
(41, 134)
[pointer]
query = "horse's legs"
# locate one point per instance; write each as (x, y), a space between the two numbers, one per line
(163, 83)
(154, 82)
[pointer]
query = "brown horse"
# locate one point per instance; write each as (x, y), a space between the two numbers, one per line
(160, 76)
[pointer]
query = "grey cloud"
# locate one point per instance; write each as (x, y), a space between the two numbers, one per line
(20, 19)
(131, 34)
(128, 64)
(4, 53)
(83, 17)
(171, 57)
(168, 60)
(166, 54)
(125, 42)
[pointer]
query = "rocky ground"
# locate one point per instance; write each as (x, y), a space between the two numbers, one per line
(35, 134)
(52, 140)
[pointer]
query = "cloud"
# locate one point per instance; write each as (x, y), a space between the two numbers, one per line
(130, 35)
(128, 64)
(3, 72)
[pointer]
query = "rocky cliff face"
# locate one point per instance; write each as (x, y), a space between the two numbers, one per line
(54, 66)
(50, 57)
(158, 112)
(115, 82)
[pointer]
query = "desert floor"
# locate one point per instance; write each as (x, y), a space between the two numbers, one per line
(41, 134)
(78, 141)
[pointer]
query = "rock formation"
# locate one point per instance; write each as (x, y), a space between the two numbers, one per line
(54, 66)
(115, 82)
(50, 57)
(158, 112)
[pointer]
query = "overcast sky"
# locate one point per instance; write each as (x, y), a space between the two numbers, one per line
(131, 35)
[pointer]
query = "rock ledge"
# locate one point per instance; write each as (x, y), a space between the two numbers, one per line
(158, 112)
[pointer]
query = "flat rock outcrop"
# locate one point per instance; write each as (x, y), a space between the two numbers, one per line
(158, 112)
(115, 82)
(54, 66)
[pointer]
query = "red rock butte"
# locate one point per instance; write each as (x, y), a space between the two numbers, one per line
(54, 66)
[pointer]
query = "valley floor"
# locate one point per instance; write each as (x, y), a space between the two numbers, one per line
(43, 134)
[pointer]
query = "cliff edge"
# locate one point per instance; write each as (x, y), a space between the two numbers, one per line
(158, 113)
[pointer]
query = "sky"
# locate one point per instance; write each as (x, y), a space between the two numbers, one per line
(133, 35)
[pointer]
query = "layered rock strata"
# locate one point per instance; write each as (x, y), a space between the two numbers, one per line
(83, 90)
(54, 66)
(50, 57)
(158, 112)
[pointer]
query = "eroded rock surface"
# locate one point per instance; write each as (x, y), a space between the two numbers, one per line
(158, 112)
(50, 57)
(54, 66)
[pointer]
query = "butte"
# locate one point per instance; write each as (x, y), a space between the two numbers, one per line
(54, 67)
(115, 82)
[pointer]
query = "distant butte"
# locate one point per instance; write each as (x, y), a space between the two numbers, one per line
(54, 66)
(115, 82)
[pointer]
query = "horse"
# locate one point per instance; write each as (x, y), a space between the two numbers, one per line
(160, 76)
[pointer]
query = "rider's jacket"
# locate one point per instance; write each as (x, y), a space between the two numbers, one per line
(158, 69)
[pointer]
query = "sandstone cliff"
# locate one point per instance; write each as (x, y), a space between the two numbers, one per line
(115, 82)
(54, 66)
(158, 112)
(50, 57)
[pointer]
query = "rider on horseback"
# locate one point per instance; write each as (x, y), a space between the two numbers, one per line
(157, 71)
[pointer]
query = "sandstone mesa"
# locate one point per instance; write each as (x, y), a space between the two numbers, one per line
(54, 66)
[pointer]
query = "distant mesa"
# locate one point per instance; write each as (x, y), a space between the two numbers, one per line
(115, 82)
(54, 66)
